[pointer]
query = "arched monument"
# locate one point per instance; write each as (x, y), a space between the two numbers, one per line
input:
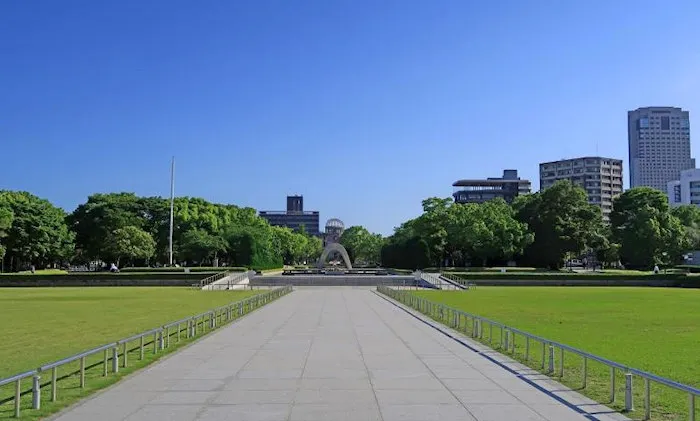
(334, 247)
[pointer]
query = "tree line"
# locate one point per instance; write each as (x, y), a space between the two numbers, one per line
(129, 230)
(546, 229)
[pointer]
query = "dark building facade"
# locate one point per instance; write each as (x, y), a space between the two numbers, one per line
(294, 217)
(507, 187)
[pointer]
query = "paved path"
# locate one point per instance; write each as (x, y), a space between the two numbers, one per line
(329, 354)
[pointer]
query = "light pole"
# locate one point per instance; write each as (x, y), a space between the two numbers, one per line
(172, 206)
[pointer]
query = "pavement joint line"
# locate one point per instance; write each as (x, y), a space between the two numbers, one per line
(306, 360)
(423, 362)
(364, 363)
(227, 380)
(561, 400)
(162, 359)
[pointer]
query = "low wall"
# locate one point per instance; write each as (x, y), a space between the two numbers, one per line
(333, 280)
(101, 279)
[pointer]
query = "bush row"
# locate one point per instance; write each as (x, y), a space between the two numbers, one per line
(182, 270)
(555, 276)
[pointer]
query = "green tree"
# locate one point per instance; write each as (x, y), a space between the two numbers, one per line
(361, 244)
(197, 245)
(6, 217)
(562, 221)
(646, 230)
(689, 217)
(493, 233)
(38, 234)
(94, 221)
(130, 242)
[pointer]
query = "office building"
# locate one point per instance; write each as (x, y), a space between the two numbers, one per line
(294, 217)
(659, 145)
(685, 190)
(601, 178)
(507, 187)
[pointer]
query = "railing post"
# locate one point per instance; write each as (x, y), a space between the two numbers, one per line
(125, 351)
(612, 384)
(167, 337)
(36, 392)
(155, 342)
(647, 399)
(82, 373)
(506, 342)
(161, 340)
(115, 359)
(18, 396)
(104, 363)
(54, 386)
(551, 359)
(527, 348)
(629, 404)
(561, 362)
(691, 406)
(141, 349)
(544, 355)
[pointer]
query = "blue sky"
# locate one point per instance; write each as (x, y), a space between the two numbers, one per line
(364, 107)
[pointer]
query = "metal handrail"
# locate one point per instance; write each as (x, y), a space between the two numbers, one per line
(508, 339)
(210, 319)
(213, 278)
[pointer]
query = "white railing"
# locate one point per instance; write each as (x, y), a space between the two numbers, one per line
(505, 340)
(116, 354)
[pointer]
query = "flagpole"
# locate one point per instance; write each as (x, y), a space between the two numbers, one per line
(172, 206)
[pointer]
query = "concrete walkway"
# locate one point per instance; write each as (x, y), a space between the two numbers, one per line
(331, 354)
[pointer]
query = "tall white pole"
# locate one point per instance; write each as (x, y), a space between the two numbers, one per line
(172, 206)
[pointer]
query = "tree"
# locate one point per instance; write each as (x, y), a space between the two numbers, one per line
(96, 220)
(562, 221)
(130, 242)
(689, 217)
(646, 230)
(6, 217)
(38, 233)
(199, 246)
(361, 244)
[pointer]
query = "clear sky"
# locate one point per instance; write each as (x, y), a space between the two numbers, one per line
(364, 107)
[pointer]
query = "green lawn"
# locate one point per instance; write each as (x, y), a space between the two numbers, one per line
(653, 329)
(41, 325)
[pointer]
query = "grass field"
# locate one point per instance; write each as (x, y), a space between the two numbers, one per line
(41, 325)
(653, 329)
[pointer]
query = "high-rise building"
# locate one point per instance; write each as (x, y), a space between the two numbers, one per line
(294, 217)
(507, 187)
(685, 190)
(601, 178)
(659, 145)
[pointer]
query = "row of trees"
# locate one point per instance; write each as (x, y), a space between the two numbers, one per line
(545, 229)
(127, 229)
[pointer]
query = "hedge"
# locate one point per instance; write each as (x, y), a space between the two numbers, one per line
(106, 275)
(554, 276)
(182, 269)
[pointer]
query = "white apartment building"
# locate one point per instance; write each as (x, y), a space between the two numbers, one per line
(601, 178)
(659, 145)
(686, 190)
